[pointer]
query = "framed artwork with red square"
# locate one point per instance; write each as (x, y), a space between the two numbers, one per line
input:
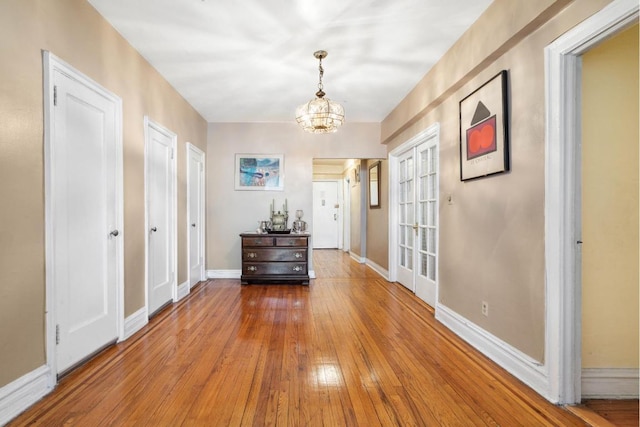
(484, 132)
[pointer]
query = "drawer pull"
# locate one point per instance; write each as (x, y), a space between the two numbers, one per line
(297, 268)
(298, 255)
(252, 268)
(251, 254)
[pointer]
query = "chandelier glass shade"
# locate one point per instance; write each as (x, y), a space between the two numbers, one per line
(320, 115)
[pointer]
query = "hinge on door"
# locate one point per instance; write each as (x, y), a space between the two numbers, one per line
(172, 153)
(57, 334)
(55, 95)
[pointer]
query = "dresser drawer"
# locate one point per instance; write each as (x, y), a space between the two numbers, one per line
(280, 268)
(257, 241)
(291, 241)
(279, 254)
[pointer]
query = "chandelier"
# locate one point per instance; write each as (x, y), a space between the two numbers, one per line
(320, 115)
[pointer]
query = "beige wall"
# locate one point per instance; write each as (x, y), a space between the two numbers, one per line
(610, 203)
(76, 33)
(231, 212)
(492, 234)
(355, 198)
(378, 220)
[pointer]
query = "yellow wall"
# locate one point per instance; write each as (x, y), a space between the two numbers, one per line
(610, 203)
(491, 242)
(76, 33)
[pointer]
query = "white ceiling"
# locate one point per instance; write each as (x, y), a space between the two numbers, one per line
(252, 60)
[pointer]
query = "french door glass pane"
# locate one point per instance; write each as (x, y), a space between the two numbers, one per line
(410, 236)
(410, 213)
(423, 239)
(403, 170)
(431, 267)
(409, 259)
(423, 188)
(403, 233)
(402, 257)
(409, 168)
(403, 215)
(431, 186)
(431, 246)
(432, 159)
(423, 265)
(431, 215)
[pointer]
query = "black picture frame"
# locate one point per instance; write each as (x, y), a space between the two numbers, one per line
(484, 130)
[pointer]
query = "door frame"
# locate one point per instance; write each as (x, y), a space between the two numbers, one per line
(173, 231)
(192, 148)
(563, 328)
(432, 131)
(52, 64)
(346, 214)
(340, 221)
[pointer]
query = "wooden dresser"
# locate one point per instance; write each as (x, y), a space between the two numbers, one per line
(275, 258)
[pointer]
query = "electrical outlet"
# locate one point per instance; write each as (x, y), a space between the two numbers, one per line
(485, 308)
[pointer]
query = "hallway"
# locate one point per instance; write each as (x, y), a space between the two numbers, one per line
(350, 349)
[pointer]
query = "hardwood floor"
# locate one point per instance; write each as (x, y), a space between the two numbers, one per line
(349, 350)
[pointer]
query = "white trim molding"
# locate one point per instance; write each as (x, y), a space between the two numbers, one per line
(562, 189)
(183, 290)
(20, 394)
(224, 274)
(525, 368)
(357, 258)
(378, 269)
(610, 383)
(135, 322)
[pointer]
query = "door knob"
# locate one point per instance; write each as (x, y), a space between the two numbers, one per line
(154, 229)
(114, 233)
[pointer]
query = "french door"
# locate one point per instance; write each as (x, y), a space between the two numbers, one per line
(417, 220)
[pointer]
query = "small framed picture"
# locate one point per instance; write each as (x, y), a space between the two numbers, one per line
(259, 172)
(484, 132)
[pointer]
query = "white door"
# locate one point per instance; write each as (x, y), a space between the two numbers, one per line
(325, 214)
(195, 214)
(417, 213)
(161, 224)
(84, 210)
(427, 220)
(406, 219)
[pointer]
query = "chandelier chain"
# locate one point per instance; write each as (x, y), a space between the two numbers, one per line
(321, 74)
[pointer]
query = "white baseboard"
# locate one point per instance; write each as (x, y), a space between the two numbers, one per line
(183, 290)
(224, 274)
(135, 322)
(20, 394)
(235, 274)
(523, 367)
(378, 269)
(357, 258)
(610, 383)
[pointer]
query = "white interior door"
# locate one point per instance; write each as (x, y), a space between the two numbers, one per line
(161, 223)
(407, 227)
(325, 214)
(84, 209)
(427, 220)
(417, 217)
(195, 214)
